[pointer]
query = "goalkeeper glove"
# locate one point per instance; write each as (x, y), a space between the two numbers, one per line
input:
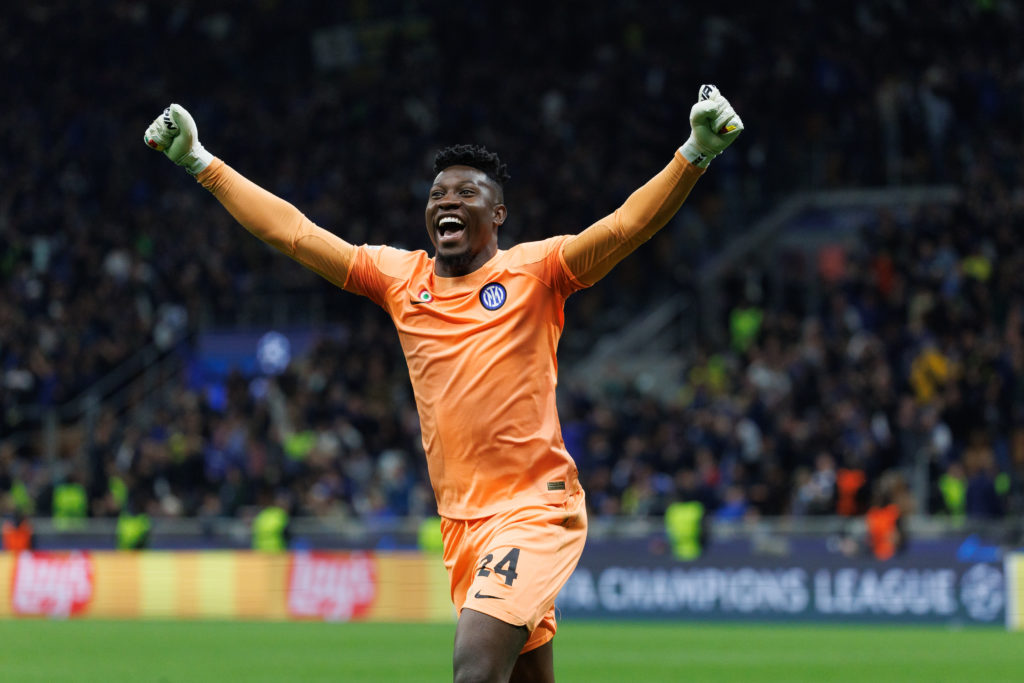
(174, 133)
(714, 124)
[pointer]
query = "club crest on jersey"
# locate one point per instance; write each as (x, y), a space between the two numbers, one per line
(493, 296)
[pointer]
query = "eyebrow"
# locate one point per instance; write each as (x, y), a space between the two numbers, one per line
(460, 184)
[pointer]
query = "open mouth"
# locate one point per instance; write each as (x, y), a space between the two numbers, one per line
(450, 229)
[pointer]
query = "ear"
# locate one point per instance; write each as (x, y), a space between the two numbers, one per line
(500, 214)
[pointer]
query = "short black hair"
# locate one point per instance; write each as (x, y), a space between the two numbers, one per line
(475, 156)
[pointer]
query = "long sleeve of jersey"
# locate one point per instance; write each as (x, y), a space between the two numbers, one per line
(593, 252)
(279, 223)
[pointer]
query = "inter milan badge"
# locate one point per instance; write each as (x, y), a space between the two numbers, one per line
(493, 296)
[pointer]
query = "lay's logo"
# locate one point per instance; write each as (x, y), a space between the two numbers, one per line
(52, 584)
(333, 587)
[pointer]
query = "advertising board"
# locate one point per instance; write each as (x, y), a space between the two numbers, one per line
(328, 586)
(609, 584)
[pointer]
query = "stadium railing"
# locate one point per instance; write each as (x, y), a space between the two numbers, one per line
(135, 382)
(765, 236)
(351, 533)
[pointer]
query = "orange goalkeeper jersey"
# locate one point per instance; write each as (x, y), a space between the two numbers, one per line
(481, 356)
(481, 347)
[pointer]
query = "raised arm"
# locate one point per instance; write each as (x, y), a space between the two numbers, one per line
(595, 251)
(272, 219)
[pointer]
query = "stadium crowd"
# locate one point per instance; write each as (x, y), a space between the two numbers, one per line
(915, 353)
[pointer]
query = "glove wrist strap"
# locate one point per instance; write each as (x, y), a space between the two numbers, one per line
(196, 160)
(695, 155)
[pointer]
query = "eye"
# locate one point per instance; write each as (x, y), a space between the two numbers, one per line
(466, 192)
(436, 194)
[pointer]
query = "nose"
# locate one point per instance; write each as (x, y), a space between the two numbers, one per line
(450, 200)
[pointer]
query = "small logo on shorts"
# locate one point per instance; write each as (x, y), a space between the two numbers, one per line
(478, 594)
(493, 296)
(556, 486)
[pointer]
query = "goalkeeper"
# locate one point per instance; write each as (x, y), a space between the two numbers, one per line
(479, 327)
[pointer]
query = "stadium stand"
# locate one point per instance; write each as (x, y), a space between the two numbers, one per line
(891, 368)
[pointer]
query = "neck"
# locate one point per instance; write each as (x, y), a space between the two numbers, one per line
(457, 265)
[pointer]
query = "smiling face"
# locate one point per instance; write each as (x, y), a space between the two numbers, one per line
(463, 213)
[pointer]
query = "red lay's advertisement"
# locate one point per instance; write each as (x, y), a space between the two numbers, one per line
(52, 584)
(331, 586)
(324, 586)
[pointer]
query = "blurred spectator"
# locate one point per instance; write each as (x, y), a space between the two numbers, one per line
(687, 529)
(981, 500)
(17, 533)
(953, 487)
(885, 518)
(70, 502)
(850, 490)
(133, 526)
(271, 525)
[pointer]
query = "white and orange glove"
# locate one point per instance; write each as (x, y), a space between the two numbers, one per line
(714, 125)
(174, 133)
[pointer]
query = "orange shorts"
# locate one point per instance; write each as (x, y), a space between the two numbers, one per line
(511, 565)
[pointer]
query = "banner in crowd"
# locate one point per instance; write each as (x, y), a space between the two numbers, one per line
(396, 586)
(831, 588)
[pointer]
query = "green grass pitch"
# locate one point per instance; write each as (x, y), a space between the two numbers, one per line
(111, 651)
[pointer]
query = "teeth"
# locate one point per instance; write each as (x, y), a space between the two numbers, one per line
(449, 219)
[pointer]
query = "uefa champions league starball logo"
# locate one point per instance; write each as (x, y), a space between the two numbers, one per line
(982, 592)
(273, 353)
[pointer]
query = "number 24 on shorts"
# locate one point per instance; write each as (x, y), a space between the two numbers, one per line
(506, 567)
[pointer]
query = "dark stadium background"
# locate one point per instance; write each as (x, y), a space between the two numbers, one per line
(841, 294)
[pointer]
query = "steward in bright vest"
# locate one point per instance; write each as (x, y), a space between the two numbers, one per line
(270, 530)
(70, 504)
(884, 532)
(850, 492)
(685, 526)
(17, 534)
(428, 536)
(133, 530)
(953, 487)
